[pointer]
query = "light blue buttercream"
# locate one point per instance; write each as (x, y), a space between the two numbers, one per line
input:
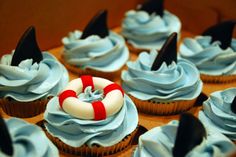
(208, 57)
(159, 142)
(28, 82)
(91, 96)
(217, 112)
(29, 140)
(169, 83)
(77, 132)
(107, 54)
(146, 31)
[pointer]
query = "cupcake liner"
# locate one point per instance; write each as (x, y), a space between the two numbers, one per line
(162, 108)
(95, 150)
(218, 79)
(88, 71)
(23, 109)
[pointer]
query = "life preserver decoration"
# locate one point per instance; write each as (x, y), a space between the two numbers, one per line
(98, 110)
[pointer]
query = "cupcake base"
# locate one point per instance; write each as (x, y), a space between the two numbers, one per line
(162, 108)
(23, 109)
(218, 79)
(88, 71)
(94, 151)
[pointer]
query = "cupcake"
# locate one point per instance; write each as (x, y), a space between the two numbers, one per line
(149, 26)
(21, 139)
(29, 78)
(184, 138)
(91, 117)
(219, 112)
(213, 53)
(160, 84)
(95, 51)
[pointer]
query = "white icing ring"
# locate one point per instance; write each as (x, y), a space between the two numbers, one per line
(113, 101)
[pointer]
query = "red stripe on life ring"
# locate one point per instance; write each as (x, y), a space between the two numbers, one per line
(99, 110)
(65, 94)
(112, 87)
(87, 80)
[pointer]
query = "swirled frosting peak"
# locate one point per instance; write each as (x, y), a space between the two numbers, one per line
(174, 82)
(31, 81)
(159, 142)
(208, 56)
(107, 54)
(91, 96)
(217, 112)
(29, 140)
(77, 132)
(147, 31)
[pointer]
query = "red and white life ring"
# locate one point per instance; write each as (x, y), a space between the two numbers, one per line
(98, 110)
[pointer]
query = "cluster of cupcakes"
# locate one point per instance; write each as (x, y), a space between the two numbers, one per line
(94, 116)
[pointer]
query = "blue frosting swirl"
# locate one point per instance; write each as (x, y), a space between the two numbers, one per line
(160, 141)
(107, 54)
(217, 112)
(174, 82)
(77, 132)
(90, 96)
(209, 57)
(28, 82)
(146, 31)
(29, 140)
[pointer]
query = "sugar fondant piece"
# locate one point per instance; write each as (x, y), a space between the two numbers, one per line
(168, 52)
(221, 32)
(233, 105)
(112, 102)
(6, 145)
(97, 26)
(153, 6)
(27, 48)
(190, 133)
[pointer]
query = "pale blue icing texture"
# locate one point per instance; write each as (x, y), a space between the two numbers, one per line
(91, 96)
(77, 132)
(146, 31)
(29, 140)
(208, 57)
(28, 82)
(217, 112)
(169, 83)
(159, 142)
(107, 54)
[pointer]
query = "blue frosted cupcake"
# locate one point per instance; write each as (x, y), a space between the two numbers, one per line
(160, 84)
(95, 51)
(213, 53)
(29, 78)
(219, 112)
(21, 139)
(149, 26)
(81, 134)
(184, 138)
